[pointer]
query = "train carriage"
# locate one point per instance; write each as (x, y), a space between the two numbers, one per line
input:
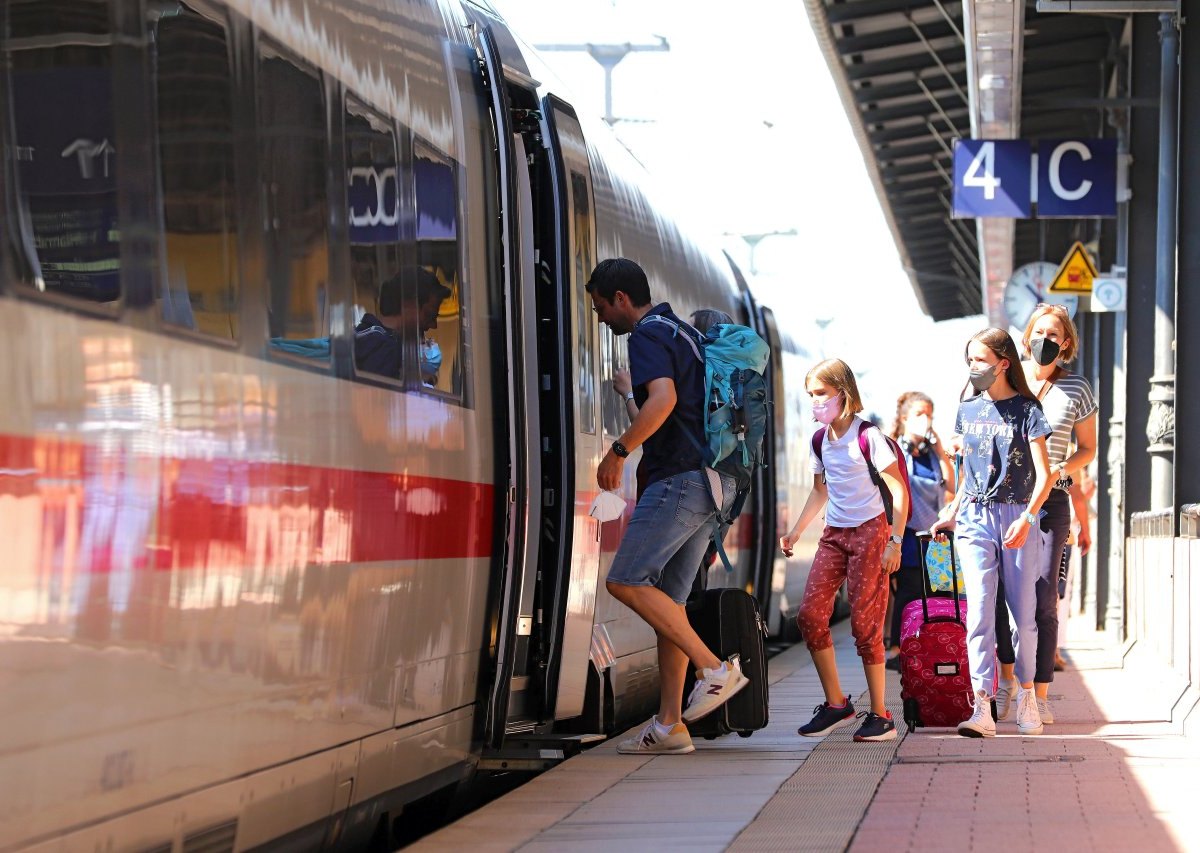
(259, 590)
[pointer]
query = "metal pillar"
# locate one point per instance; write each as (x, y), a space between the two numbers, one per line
(1160, 429)
(1187, 306)
(1139, 316)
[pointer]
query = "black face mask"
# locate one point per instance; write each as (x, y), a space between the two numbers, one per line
(1045, 351)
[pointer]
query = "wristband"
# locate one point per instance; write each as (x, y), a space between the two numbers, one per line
(1030, 518)
(619, 449)
(628, 395)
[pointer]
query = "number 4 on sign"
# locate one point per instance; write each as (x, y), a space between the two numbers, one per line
(985, 159)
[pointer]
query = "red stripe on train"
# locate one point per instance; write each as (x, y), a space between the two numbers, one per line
(104, 508)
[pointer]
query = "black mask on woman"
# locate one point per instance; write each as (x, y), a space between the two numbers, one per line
(1044, 350)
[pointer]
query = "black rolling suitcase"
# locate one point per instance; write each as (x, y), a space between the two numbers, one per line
(728, 621)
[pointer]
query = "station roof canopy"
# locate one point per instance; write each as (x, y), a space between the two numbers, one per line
(904, 67)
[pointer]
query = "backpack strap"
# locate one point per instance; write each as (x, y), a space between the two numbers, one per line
(817, 439)
(658, 318)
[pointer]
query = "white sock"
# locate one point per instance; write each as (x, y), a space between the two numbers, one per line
(662, 729)
(1008, 683)
(723, 669)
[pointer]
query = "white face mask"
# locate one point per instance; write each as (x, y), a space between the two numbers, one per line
(918, 425)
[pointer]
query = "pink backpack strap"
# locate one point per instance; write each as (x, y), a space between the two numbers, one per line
(863, 444)
(818, 437)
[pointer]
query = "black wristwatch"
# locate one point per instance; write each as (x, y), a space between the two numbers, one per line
(619, 449)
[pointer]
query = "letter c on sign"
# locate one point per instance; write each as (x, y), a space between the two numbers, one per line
(1056, 164)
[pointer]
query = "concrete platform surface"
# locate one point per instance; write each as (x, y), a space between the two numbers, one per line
(1113, 773)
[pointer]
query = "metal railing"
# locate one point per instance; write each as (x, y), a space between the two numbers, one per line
(1155, 522)
(1189, 521)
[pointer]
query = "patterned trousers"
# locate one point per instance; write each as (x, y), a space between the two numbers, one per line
(854, 555)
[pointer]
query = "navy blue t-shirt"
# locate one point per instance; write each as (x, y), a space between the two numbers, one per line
(660, 351)
(997, 463)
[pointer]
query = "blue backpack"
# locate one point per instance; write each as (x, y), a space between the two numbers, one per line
(736, 410)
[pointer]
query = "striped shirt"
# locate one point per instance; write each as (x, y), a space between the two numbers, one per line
(1068, 401)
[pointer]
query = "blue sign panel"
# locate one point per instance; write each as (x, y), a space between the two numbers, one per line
(1077, 177)
(992, 178)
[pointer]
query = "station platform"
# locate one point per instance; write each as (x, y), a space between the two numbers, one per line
(1112, 773)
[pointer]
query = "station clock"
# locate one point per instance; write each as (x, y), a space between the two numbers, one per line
(1029, 285)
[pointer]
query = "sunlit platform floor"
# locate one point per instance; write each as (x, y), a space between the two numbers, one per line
(1114, 772)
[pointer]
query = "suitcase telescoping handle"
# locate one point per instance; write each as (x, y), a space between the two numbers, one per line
(924, 537)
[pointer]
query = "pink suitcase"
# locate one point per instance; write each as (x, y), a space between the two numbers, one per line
(935, 680)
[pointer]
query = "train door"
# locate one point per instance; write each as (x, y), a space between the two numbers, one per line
(571, 573)
(513, 700)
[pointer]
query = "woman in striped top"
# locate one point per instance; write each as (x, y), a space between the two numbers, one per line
(1051, 342)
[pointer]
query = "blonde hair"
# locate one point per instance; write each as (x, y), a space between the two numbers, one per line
(835, 372)
(1067, 354)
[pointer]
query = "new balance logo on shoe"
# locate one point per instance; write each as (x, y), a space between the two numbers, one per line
(714, 688)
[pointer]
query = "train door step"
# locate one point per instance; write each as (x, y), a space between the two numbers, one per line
(536, 752)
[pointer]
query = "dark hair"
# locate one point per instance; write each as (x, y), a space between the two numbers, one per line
(904, 405)
(1001, 343)
(705, 318)
(391, 292)
(619, 274)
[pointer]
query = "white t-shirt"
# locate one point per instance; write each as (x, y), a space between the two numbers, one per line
(853, 498)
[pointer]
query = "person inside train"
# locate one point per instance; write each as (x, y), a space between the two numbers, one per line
(1051, 342)
(931, 486)
(676, 514)
(995, 515)
(378, 339)
(858, 546)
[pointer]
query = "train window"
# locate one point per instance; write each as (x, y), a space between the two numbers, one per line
(62, 137)
(614, 356)
(195, 150)
(438, 287)
(384, 318)
(581, 258)
(294, 162)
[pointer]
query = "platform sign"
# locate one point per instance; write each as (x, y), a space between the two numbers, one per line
(992, 177)
(1077, 177)
(1076, 273)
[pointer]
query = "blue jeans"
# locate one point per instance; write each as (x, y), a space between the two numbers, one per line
(669, 532)
(979, 536)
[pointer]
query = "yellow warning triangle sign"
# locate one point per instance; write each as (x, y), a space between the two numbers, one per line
(1076, 273)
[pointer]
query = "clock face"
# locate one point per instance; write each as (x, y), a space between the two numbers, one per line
(1027, 287)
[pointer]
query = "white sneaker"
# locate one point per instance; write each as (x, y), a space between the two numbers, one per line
(981, 723)
(1043, 706)
(649, 741)
(1028, 720)
(1006, 692)
(714, 688)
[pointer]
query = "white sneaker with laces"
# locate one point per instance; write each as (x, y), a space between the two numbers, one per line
(1028, 720)
(1006, 692)
(981, 723)
(649, 741)
(714, 688)
(1044, 711)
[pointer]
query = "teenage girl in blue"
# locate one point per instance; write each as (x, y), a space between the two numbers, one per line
(994, 516)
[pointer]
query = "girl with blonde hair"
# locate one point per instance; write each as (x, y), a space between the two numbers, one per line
(850, 459)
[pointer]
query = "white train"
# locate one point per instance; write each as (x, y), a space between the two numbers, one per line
(256, 590)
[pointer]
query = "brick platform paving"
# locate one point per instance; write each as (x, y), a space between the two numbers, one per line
(1112, 773)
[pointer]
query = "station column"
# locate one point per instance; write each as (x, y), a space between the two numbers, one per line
(1187, 316)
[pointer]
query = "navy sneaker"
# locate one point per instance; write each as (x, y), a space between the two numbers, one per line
(827, 719)
(875, 727)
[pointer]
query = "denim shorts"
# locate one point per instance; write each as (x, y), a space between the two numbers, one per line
(668, 534)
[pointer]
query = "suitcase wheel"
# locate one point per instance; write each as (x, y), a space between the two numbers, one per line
(745, 734)
(912, 714)
(710, 737)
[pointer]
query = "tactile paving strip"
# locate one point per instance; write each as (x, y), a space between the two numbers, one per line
(821, 805)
